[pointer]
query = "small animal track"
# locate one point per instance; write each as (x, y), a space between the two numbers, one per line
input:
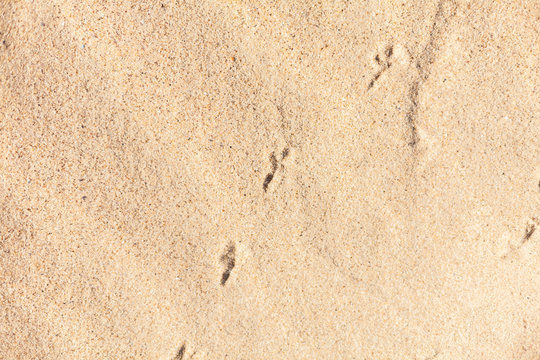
(180, 354)
(384, 62)
(270, 176)
(432, 357)
(228, 259)
(446, 9)
(530, 228)
(276, 165)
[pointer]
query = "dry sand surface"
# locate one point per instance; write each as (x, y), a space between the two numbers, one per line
(237, 179)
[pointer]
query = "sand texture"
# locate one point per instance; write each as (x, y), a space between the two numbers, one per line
(241, 179)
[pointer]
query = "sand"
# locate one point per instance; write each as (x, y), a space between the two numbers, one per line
(234, 179)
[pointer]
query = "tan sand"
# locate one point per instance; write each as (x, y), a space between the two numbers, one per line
(269, 180)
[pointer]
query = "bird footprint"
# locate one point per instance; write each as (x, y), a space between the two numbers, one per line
(228, 258)
(276, 165)
(384, 62)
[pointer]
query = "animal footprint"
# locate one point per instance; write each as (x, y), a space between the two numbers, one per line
(180, 353)
(228, 259)
(530, 228)
(384, 62)
(277, 165)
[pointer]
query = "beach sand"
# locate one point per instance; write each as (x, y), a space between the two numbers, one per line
(234, 179)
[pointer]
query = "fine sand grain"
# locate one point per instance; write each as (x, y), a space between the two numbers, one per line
(231, 179)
